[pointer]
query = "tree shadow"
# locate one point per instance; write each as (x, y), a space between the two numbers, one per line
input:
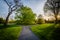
(7, 26)
(56, 33)
(52, 32)
(46, 33)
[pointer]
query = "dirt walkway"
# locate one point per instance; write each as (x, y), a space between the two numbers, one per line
(27, 34)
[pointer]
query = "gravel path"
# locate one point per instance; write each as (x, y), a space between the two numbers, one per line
(27, 34)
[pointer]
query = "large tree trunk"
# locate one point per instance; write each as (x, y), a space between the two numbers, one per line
(55, 19)
(7, 18)
(56, 14)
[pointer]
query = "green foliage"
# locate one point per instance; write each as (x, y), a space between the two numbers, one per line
(40, 19)
(1, 20)
(11, 21)
(25, 15)
(12, 32)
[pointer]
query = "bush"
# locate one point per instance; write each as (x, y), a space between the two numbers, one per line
(24, 23)
(52, 21)
(40, 21)
(1, 20)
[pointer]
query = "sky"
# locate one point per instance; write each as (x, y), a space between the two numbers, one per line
(35, 5)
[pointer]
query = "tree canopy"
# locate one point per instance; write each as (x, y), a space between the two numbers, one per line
(53, 6)
(25, 15)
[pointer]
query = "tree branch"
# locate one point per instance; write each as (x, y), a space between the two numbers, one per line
(6, 2)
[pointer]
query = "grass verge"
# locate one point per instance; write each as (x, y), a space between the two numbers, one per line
(44, 31)
(11, 32)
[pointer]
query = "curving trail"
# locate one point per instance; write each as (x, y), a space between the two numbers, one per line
(27, 34)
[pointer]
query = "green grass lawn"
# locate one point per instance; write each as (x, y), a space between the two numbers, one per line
(44, 31)
(11, 32)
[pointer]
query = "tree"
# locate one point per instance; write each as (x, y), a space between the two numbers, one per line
(40, 19)
(1, 20)
(12, 7)
(53, 6)
(25, 15)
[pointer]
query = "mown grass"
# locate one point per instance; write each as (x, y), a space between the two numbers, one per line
(11, 32)
(44, 31)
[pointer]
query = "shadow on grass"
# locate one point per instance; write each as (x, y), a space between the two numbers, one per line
(50, 33)
(46, 33)
(2, 26)
(9, 32)
(56, 33)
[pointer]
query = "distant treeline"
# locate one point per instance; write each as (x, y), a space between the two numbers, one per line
(37, 21)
